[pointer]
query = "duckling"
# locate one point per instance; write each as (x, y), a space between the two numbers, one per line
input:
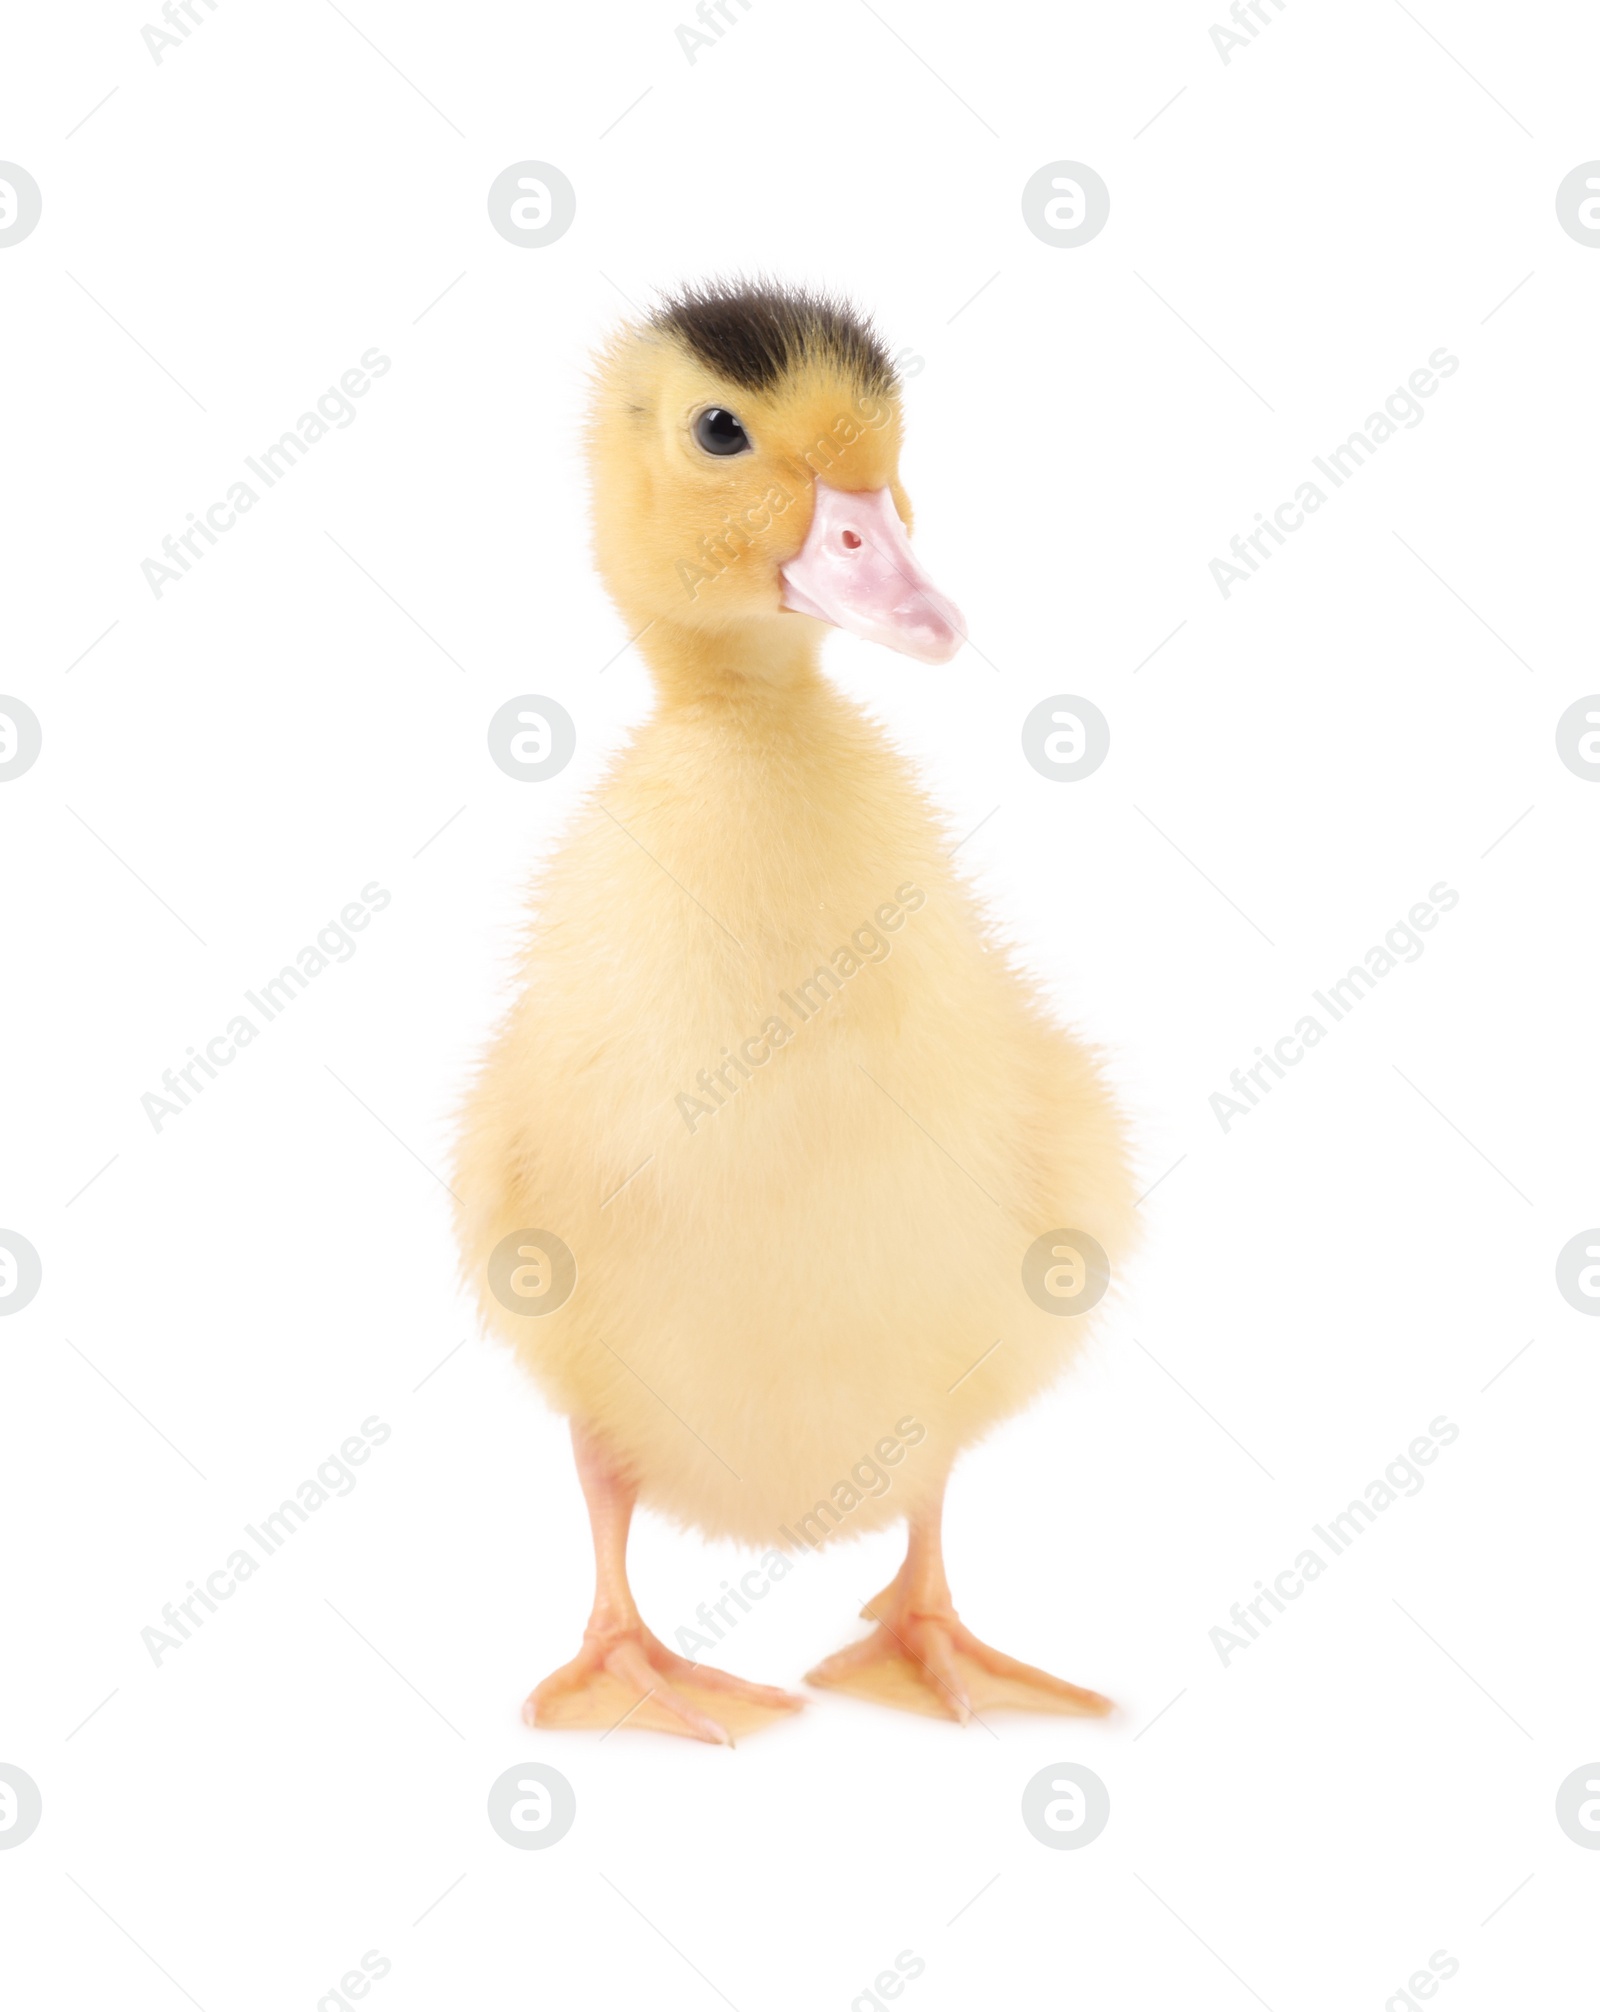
(773, 1124)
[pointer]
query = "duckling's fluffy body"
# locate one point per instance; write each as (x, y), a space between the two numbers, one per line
(833, 1248)
(770, 1286)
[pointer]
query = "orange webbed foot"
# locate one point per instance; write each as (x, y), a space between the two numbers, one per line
(624, 1676)
(927, 1660)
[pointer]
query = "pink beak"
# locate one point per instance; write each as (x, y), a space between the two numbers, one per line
(857, 571)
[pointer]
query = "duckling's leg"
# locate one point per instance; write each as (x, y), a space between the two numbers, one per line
(622, 1672)
(922, 1659)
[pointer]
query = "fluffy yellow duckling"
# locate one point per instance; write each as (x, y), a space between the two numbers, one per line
(755, 1167)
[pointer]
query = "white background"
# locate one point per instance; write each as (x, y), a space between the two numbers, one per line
(1289, 773)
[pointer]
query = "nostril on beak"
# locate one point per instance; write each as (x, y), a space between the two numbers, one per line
(850, 540)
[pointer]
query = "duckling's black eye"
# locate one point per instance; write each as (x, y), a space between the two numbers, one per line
(718, 432)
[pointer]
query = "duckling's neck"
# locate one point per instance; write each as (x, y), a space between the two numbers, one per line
(773, 794)
(766, 659)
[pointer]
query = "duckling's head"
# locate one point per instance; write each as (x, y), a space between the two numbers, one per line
(745, 448)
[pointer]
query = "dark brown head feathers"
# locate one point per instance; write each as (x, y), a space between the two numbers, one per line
(755, 333)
